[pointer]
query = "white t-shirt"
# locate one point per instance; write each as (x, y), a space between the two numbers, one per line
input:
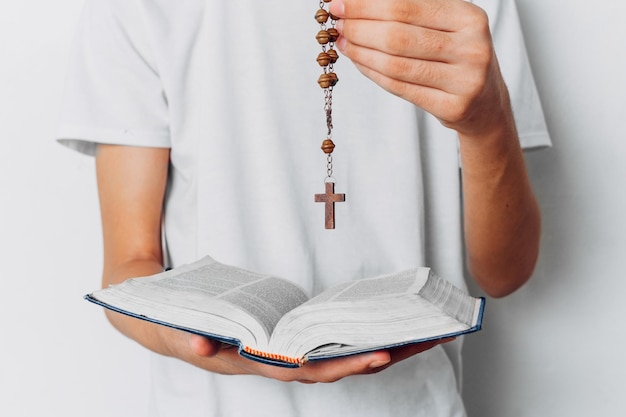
(231, 87)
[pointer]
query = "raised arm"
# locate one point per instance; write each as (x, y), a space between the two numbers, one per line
(439, 55)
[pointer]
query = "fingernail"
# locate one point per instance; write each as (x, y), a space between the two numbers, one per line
(341, 43)
(337, 8)
(378, 364)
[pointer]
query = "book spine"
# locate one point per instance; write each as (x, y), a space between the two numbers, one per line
(274, 356)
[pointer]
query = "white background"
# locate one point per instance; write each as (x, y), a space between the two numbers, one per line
(554, 348)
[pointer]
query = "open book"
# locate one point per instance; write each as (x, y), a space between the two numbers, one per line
(274, 321)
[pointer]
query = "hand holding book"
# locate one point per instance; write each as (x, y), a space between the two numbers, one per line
(324, 371)
(273, 321)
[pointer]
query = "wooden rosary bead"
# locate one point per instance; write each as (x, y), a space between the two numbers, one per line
(333, 79)
(322, 16)
(323, 37)
(334, 56)
(327, 1)
(333, 33)
(328, 146)
(323, 59)
(324, 81)
(328, 80)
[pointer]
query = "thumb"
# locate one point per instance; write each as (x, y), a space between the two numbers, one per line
(203, 346)
(337, 8)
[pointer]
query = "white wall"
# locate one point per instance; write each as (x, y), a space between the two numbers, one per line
(58, 357)
(552, 349)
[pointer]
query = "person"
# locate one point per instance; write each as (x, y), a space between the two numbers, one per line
(206, 119)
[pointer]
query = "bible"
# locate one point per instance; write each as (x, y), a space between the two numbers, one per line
(272, 320)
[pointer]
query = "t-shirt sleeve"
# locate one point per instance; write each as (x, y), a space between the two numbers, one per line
(513, 59)
(113, 91)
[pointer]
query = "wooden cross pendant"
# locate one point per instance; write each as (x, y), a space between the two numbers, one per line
(330, 198)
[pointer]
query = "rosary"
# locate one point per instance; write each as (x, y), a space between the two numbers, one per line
(326, 37)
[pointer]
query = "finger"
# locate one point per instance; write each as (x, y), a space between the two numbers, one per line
(434, 61)
(324, 371)
(203, 346)
(404, 352)
(398, 39)
(446, 15)
(433, 100)
(335, 369)
(432, 74)
(450, 109)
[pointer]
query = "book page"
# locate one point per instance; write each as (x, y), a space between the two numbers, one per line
(210, 297)
(267, 299)
(371, 287)
(383, 311)
(263, 297)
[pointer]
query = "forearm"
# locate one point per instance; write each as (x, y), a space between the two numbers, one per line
(156, 338)
(501, 215)
(131, 186)
(160, 339)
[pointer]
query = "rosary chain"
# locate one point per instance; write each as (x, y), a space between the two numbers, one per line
(326, 38)
(328, 109)
(329, 165)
